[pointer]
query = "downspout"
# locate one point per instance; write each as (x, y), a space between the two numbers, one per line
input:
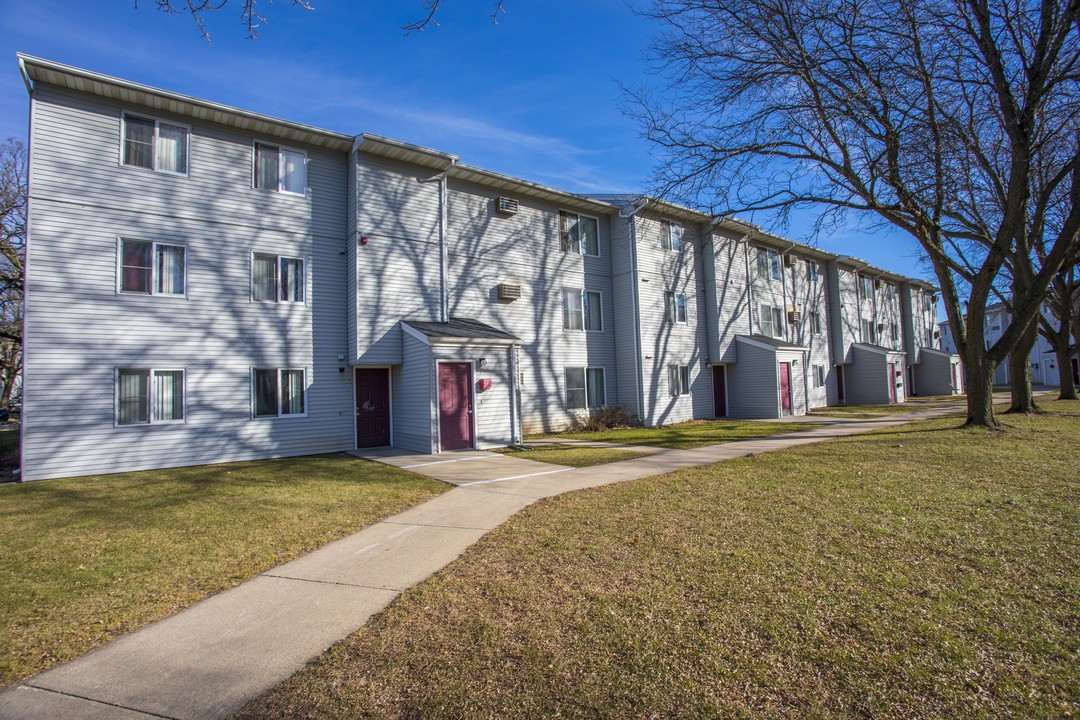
(749, 284)
(628, 213)
(21, 477)
(444, 262)
(515, 411)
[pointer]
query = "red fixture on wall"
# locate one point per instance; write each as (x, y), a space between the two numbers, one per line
(483, 384)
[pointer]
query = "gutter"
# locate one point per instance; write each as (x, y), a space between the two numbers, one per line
(629, 212)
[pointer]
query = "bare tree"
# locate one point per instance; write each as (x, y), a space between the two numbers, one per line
(1063, 299)
(431, 7)
(250, 16)
(13, 170)
(927, 114)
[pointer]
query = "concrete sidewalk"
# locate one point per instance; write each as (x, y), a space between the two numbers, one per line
(211, 659)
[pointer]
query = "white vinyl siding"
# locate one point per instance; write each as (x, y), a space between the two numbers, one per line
(584, 388)
(277, 279)
(678, 380)
(579, 233)
(149, 396)
(278, 392)
(154, 144)
(280, 169)
(152, 268)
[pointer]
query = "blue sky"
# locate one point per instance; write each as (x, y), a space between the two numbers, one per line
(535, 97)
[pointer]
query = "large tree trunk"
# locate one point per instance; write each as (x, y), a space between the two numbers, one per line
(1068, 387)
(979, 384)
(1023, 400)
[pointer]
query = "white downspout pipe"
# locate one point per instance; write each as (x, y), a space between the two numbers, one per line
(749, 283)
(639, 375)
(444, 261)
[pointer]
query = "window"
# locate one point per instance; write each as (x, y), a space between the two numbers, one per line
(152, 268)
(149, 396)
(280, 169)
(866, 287)
(277, 279)
(155, 145)
(582, 310)
(812, 270)
(819, 376)
(676, 307)
(671, 236)
(584, 388)
(579, 234)
(895, 333)
(815, 322)
(678, 380)
(772, 321)
(278, 392)
(768, 262)
(868, 334)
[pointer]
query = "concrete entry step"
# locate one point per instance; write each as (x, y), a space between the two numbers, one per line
(471, 467)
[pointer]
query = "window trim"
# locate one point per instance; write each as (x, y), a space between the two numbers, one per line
(671, 300)
(581, 293)
(775, 312)
(816, 326)
(150, 396)
(819, 376)
(254, 172)
(565, 247)
(277, 279)
(682, 374)
(585, 370)
(154, 146)
(667, 236)
(277, 387)
(812, 271)
(154, 244)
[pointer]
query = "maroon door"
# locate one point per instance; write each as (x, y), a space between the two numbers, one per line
(372, 407)
(455, 406)
(785, 388)
(719, 390)
(892, 382)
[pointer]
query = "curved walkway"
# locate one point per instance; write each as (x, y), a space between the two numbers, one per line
(211, 659)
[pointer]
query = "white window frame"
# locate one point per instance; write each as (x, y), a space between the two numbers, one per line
(154, 245)
(154, 146)
(819, 376)
(671, 236)
(894, 330)
(150, 396)
(278, 259)
(866, 327)
(678, 380)
(776, 320)
(281, 174)
(815, 322)
(866, 287)
(812, 270)
(277, 386)
(768, 263)
(587, 372)
(582, 299)
(674, 302)
(568, 247)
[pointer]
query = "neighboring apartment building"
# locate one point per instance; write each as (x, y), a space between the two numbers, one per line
(207, 284)
(1043, 360)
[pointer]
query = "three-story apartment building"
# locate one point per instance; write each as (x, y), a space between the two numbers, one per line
(208, 284)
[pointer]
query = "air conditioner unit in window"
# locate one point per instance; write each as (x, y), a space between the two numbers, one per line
(881, 327)
(506, 206)
(509, 292)
(877, 283)
(794, 316)
(789, 259)
(937, 333)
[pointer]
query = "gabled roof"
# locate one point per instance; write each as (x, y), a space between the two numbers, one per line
(462, 331)
(879, 349)
(770, 342)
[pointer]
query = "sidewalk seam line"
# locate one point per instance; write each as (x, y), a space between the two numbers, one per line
(93, 700)
(332, 582)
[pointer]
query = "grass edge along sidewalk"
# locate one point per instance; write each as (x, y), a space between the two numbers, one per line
(924, 570)
(88, 559)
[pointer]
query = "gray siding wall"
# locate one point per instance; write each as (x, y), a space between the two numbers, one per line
(933, 376)
(397, 272)
(625, 311)
(868, 377)
(846, 314)
(413, 396)
(732, 297)
(808, 297)
(665, 342)
(753, 383)
(79, 329)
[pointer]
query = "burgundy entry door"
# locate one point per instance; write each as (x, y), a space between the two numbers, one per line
(455, 406)
(719, 390)
(372, 407)
(892, 382)
(785, 388)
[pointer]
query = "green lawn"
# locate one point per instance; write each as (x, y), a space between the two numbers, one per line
(924, 571)
(574, 456)
(910, 405)
(85, 559)
(689, 434)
